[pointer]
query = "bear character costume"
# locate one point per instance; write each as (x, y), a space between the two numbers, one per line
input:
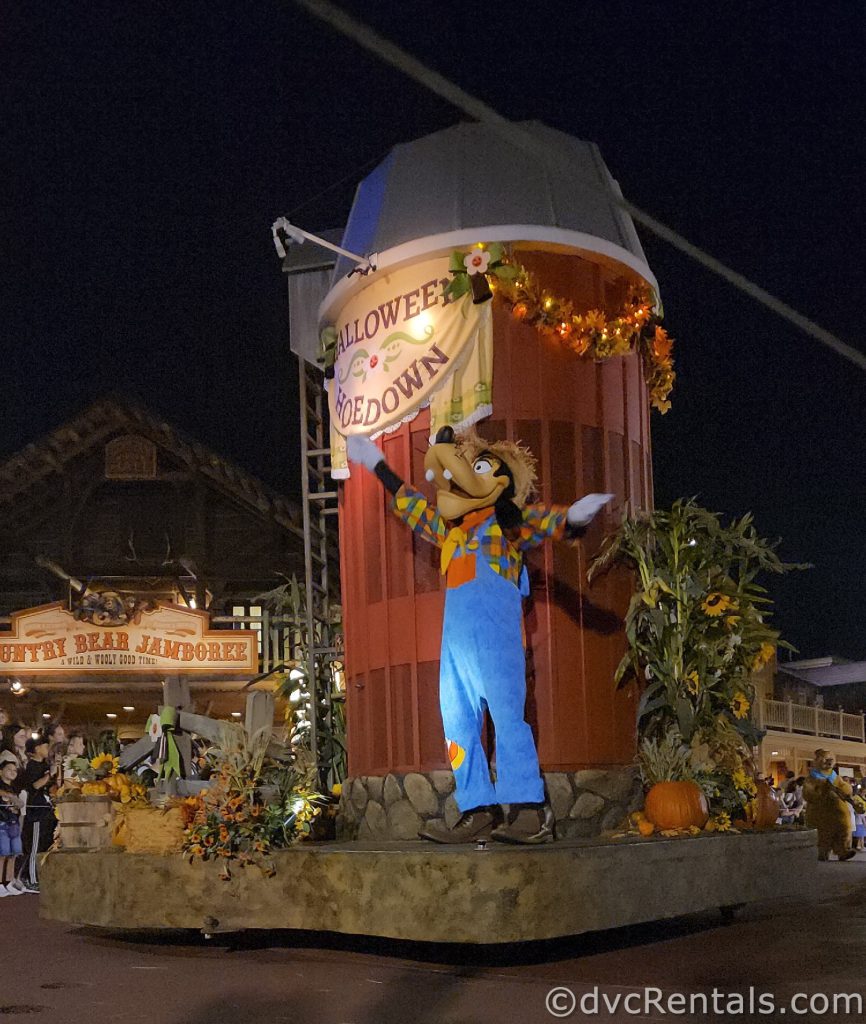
(482, 526)
(826, 794)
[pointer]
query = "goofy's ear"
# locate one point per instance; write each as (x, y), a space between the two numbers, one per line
(508, 515)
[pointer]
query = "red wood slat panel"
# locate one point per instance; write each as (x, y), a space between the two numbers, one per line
(492, 429)
(612, 392)
(376, 698)
(563, 462)
(615, 483)
(592, 460)
(432, 739)
(402, 718)
(366, 533)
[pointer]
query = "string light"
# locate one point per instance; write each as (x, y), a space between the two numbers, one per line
(594, 333)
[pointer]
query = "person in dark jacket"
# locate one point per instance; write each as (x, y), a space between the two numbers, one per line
(39, 820)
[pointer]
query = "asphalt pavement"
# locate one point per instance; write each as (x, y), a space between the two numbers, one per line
(810, 947)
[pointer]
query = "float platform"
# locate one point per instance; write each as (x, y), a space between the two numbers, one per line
(422, 892)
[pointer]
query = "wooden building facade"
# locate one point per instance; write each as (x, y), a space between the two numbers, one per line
(119, 500)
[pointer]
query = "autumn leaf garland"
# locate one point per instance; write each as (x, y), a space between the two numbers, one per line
(592, 334)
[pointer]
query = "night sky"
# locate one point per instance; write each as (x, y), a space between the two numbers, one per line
(145, 150)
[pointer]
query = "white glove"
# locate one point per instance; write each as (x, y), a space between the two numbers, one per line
(582, 512)
(362, 450)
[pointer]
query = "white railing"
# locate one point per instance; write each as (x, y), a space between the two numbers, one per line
(775, 715)
(787, 716)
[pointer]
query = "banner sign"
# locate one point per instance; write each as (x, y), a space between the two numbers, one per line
(169, 639)
(398, 340)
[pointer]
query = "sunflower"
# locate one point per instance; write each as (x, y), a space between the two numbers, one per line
(743, 782)
(715, 604)
(720, 822)
(693, 683)
(105, 761)
(732, 621)
(740, 705)
(764, 656)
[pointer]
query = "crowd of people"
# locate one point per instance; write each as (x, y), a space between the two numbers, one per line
(33, 766)
(792, 804)
(789, 794)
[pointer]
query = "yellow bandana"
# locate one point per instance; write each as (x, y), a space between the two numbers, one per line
(458, 536)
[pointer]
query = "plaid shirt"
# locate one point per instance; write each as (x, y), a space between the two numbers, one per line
(504, 556)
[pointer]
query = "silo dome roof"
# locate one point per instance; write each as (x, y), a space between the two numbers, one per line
(467, 183)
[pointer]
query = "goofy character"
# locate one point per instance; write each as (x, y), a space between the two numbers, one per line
(482, 529)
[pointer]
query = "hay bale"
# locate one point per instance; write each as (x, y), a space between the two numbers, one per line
(149, 829)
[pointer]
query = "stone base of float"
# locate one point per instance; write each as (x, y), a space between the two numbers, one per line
(419, 891)
(584, 803)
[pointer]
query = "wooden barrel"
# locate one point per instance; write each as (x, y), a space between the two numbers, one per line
(86, 824)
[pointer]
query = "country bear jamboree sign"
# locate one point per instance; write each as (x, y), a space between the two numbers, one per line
(168, 639)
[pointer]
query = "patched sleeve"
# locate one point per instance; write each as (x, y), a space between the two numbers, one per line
(413, 509)
(541, 522)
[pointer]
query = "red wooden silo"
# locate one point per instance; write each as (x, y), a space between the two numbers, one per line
(586, 422)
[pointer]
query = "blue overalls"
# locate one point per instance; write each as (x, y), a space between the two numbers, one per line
(483, 665)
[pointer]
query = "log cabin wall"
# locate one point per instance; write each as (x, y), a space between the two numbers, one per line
(588, 425)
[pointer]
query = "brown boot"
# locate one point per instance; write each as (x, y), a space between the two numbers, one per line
(528, 824)
(474, 825)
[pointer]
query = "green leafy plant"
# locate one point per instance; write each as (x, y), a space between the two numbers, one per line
(105, 743)
(697, 625)
(665, 759)
(290, 599)
(697, 628)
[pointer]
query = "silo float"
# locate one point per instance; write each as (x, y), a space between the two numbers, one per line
(405, 354)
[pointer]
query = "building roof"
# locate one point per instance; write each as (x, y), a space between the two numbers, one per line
(468, 176)
(826, 671)
(104, 418)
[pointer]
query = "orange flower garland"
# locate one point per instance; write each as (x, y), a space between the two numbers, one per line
(591, 334)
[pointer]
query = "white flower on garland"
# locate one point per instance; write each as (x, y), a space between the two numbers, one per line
(476, 262)
(154, 728)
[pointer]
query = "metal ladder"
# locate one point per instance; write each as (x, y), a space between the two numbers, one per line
(319, 499)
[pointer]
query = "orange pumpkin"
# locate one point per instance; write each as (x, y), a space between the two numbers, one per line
(645, 827)
(766, 806)
(676, 805)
